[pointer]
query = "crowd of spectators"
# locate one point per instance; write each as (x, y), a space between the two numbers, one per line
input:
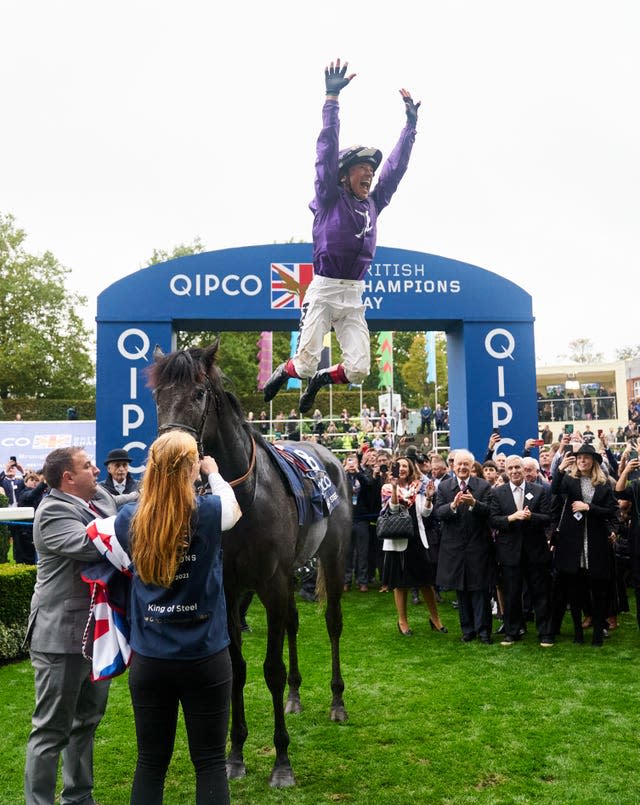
(346, 432)
(24, 487)
(562, 404)
(570, 543)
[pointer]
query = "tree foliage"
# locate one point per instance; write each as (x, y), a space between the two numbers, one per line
(181, 250)
(414, 371)
(238, 356)
(625, 353)
(44, 345)
(582, 351)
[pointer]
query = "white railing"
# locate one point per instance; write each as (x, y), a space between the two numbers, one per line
(556, 409)
(17, 513)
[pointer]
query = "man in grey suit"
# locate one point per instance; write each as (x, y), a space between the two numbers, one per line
(68, 706)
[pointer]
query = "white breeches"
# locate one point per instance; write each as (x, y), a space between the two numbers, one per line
(338, 304)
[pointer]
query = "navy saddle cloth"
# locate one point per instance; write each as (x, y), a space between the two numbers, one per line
(296, 465)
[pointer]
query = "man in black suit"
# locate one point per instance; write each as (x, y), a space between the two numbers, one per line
(466, 563)
(520, 514)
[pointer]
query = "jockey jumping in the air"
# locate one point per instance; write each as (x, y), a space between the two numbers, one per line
(345, 213)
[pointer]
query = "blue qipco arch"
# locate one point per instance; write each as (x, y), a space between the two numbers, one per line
(488, 321)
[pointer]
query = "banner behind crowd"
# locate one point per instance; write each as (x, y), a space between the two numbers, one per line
(31, 442)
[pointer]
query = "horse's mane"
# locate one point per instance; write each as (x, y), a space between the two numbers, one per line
(183, 367)
(188, 367)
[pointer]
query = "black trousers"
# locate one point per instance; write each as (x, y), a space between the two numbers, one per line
(357, 563)
(579, 586)
(538, 584)
(474, 610)
(23, 551)
(203, 688)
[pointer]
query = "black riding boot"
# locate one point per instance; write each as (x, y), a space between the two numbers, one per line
(275, 382)
(320, 379)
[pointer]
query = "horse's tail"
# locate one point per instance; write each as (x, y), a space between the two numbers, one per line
(321, 583)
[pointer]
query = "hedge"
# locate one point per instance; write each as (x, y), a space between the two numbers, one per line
(12, 640)
(35, 408)
(16, 588)
(40, 409)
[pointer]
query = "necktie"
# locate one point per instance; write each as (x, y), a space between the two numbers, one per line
(518, 497)
(95, 509)
(463, 486)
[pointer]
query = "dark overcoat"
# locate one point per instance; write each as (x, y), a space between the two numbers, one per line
(466, 560)
(600, 522)
(632, 492)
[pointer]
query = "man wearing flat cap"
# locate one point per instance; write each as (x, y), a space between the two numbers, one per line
(119, 480)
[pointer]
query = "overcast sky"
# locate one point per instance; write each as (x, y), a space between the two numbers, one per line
(133, 126)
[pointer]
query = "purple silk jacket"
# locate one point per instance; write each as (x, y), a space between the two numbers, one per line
(344, 228)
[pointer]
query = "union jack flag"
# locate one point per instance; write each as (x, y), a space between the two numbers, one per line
(51, 441)
(289, 283)
(106, 636)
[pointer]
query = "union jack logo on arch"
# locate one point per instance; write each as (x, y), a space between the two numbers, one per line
(289, 283)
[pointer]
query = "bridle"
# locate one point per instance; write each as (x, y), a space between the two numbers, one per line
(195, 432)
(210, 398)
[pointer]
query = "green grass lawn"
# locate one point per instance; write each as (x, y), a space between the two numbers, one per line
(430, 720)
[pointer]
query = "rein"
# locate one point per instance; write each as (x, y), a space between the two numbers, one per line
(252, 464)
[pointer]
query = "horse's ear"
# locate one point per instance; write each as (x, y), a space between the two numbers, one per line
(158, 353)
(209, 354)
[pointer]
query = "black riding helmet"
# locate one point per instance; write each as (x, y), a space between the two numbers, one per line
(355, 155)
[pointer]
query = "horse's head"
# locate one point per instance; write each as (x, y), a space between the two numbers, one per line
(184, 387)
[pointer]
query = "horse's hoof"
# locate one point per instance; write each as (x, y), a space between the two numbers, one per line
(282, 777)
(293, 705)
(235, 769)
(338, 714)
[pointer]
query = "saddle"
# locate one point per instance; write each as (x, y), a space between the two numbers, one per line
(301, 470)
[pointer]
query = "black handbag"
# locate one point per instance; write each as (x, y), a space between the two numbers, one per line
(394, 524)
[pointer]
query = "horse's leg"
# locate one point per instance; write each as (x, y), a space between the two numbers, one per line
(332, 577)
(294, 678)
(275, 601)
(235, 759)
